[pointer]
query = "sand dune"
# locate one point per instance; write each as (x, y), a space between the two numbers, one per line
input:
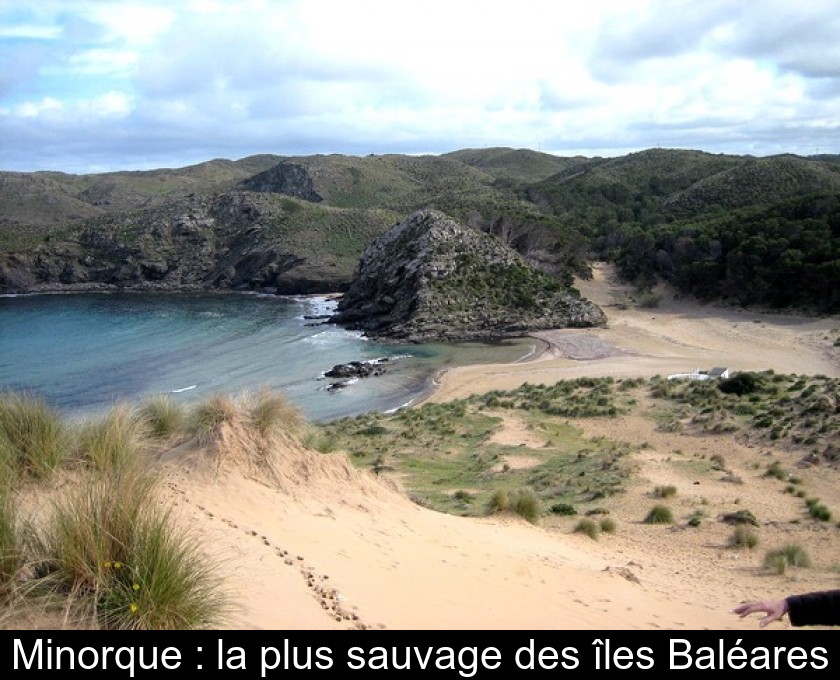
(331, 547)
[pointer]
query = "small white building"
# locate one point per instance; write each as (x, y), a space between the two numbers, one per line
(718, 372)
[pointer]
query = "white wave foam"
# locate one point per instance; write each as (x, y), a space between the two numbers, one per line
(183, 389)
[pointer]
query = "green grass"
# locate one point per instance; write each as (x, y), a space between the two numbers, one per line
(439, 448)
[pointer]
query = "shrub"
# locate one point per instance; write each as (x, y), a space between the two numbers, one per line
(740, 383)
(776, 470)
(588, 527)
(34, 439)
(696, 518)
(659, 514)
(563, 509)
(819, 511)
(740, 517)
(743, 537)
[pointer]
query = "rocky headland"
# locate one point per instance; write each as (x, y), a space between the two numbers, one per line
(430, 278)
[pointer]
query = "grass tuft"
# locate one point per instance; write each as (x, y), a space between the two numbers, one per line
(659, 514)
(743, 537)
(163, 416)
(589, 527)
(33, 438)
(113, 441)
(791, 555)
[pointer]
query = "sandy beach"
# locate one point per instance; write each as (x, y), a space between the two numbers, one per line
(332, 547)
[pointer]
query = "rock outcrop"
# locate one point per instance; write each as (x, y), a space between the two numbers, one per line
(432, 279)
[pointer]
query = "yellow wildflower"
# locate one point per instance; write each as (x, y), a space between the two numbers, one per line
(134, 607)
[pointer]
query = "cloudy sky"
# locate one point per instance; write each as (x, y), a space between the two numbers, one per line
(96, 85)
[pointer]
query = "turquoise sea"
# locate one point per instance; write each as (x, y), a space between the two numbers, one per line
(83, 353)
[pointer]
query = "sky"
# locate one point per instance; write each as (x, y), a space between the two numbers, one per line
(100, 85)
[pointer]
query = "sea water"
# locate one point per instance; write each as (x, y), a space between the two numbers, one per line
(84, 353)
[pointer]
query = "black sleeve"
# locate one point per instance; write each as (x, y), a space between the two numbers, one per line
(820, 608)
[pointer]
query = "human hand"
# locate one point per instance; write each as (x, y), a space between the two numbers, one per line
(774, 610)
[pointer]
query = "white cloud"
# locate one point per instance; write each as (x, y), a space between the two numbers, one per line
(322, 76)
(36, 109)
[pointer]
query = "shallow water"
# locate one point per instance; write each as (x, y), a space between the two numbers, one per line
(85, 352)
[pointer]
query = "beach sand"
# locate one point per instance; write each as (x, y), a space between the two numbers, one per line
(331, 547)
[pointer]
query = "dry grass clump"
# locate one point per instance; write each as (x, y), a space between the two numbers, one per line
(665, 491)
(791, 555)
(11, 549)
(103, 552)
(743, 537)
(163, 416)
(523, 502)
(113, 556)
(248, 431)
(271, 412)
(659, 514)
(588, 527)
(33, 437)
(114, 440)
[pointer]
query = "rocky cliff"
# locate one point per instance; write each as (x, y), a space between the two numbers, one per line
(430, 278)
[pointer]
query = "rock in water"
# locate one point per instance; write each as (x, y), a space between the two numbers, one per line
(432, 279)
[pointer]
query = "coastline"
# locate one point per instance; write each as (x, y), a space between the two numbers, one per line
(676, 337)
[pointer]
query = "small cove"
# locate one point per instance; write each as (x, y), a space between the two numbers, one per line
(83, 353)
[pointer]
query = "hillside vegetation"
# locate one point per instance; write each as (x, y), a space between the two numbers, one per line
(716, 226)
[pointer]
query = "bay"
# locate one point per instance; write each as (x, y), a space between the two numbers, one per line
(84, 353)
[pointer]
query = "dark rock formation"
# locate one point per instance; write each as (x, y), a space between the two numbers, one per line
(291, 179)
(200, 242)
(430, 278)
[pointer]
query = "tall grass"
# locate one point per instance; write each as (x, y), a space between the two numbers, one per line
(523, 502)
(271, 412)
(117, 558)
(92, 528)
(207, 417)
(33, 437)
(162, 416)
(115, 440)
(790, 555)
(11, 550)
